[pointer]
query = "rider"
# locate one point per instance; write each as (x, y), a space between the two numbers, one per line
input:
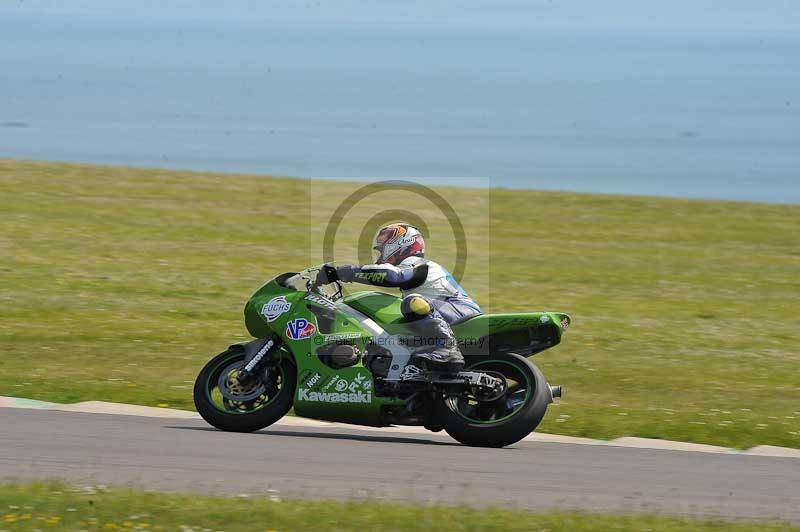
(432, 299)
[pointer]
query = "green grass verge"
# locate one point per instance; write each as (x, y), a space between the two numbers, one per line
(57, 506)
(118, 284)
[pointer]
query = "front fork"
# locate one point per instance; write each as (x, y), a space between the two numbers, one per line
(256, 356)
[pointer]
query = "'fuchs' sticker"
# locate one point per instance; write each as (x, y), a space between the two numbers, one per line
(276, 307)
(299, 328)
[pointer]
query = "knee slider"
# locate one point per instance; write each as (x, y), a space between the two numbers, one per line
(415, 306)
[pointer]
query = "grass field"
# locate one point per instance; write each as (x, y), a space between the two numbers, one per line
(56, 506)
(118, 284)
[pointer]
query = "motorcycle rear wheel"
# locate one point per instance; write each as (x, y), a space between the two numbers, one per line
(263, 401)
(504, 421)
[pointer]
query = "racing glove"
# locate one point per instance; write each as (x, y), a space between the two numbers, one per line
(327, 274)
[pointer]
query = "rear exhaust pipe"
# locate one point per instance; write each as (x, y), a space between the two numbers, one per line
(555, 391)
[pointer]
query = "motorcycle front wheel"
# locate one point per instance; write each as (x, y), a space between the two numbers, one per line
(501, 421)
(230, 405)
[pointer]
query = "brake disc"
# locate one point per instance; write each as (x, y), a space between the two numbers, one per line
(233, 390)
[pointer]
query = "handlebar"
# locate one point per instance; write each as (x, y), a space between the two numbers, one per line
(309, 282)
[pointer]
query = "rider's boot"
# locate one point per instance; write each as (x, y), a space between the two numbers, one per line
(434, 346)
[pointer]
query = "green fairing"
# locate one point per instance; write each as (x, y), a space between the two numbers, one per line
(385, 309)
(346, 395)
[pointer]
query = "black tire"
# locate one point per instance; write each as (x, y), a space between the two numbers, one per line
(507, 430)
(233, 420)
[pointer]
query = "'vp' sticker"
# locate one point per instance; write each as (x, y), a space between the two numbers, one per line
(299, 329)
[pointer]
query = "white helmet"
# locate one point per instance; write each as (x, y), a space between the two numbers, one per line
(396, 242)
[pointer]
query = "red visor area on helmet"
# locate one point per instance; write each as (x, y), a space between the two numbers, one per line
(388, 234)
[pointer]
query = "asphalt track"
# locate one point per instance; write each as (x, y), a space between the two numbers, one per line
(348, 463)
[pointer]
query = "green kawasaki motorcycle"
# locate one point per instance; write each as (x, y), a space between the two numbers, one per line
(342, 358)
